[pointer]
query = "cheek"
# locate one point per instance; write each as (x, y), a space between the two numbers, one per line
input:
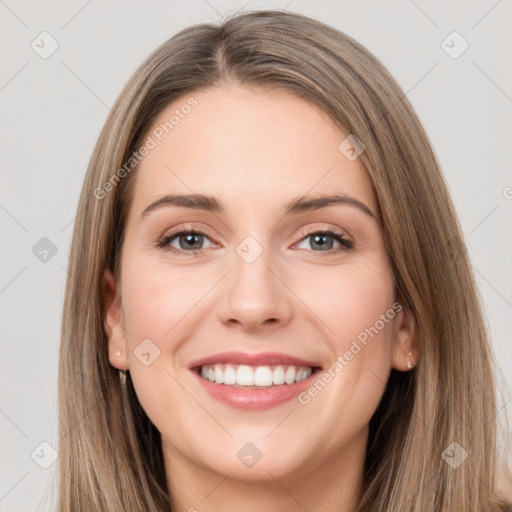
(155, 299)
(356, 305)
(349, 301)
(155, 307)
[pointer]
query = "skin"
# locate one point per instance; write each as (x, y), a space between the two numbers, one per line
(255, 150)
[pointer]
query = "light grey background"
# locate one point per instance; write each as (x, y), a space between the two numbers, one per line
(52, 111)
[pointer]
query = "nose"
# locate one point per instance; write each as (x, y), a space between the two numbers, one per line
(255, 297)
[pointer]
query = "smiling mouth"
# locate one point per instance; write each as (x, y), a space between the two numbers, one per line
(255, 377)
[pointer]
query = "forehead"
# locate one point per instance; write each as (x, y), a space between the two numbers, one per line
(251, 147)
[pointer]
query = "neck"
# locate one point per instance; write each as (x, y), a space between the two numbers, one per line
(328, 485)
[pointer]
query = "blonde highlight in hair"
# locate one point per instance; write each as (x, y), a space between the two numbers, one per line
(110, 455)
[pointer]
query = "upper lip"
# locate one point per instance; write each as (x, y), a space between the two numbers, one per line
(262, 359)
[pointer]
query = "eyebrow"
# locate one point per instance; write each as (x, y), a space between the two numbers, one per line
(210, 204)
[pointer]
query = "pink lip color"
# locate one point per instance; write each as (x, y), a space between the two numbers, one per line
(265, 358)
(255, 399)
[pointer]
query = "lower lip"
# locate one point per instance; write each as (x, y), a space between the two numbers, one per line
(255, 399)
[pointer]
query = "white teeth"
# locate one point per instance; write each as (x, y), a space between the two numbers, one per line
(244, 376)
(303, 374)
(262, 376)
(219, 375)
(278, 375)
(229, 375)
(290, 375)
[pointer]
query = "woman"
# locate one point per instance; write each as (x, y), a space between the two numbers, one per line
(270, 303)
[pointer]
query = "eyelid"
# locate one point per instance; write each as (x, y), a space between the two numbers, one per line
(309, 230)
(188, 226)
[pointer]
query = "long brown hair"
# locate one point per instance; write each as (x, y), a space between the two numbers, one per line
(110, 455)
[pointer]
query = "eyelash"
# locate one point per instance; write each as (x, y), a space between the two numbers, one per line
(163, 242)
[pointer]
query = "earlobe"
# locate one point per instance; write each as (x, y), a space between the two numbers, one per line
(405, 346)
(114, 323)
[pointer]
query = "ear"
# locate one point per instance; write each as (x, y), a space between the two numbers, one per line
(114, 323)
(405, 346)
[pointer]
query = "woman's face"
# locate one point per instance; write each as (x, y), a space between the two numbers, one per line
(271, 269)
